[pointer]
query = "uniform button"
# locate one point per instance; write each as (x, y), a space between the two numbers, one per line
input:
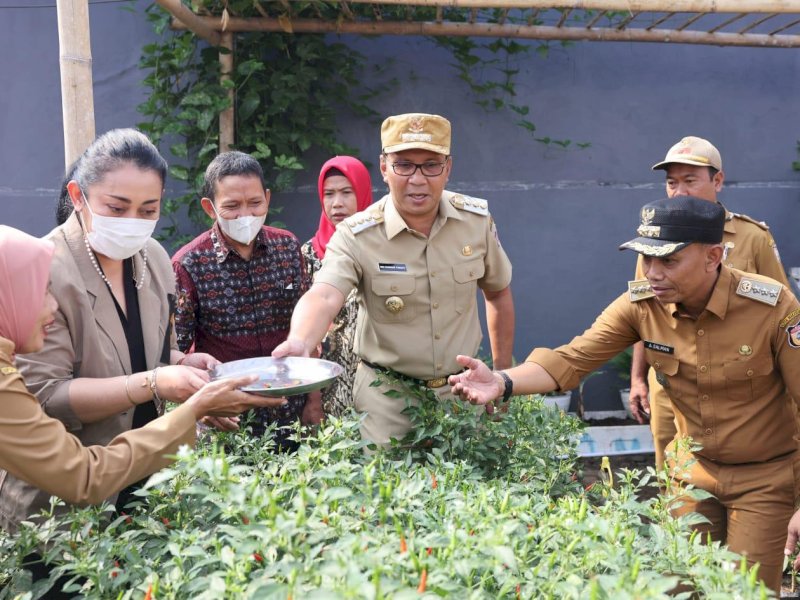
(437, 336)
(749, 372)
(704, 397)
(435, 305)
(433, 273)
(394, 288)
(708, 431)
(703, 368)
(656, 365)
(730, 265)
(471, 273)
(701, 332)
(439, 367)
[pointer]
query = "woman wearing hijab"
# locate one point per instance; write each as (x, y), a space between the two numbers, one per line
(110, 360)
(344, 189)
(37, 448)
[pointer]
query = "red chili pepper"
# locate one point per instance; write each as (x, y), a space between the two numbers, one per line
(403, 546)
(423, 581)
(148, 595)
(434, 483)
(245, 520)
(429, 550)
(165, 521)
(128, 519)
(518, 588)
(258, 557)
(114, 574)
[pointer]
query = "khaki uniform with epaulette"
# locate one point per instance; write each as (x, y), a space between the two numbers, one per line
(417, 297)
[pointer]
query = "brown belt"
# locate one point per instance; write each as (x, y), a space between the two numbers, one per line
(428, 383)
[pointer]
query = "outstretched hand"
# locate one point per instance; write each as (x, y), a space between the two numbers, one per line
(792, 538)
(478, 384)
(223, 398)
(290, 348)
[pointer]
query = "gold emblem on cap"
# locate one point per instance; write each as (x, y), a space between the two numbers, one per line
(648, 214)
(745, 350)
(394, 304)
(466, 250)
(416, 124)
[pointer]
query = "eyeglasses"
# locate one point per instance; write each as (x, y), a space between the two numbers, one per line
(429, 169)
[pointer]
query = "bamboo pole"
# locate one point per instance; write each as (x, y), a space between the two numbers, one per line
(705, 6)
(227, 116)
(510, 31)
(75, 58)
(190, 21)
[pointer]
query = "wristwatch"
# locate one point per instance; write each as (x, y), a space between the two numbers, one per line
(509, 385)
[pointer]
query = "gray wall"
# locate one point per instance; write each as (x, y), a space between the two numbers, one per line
(561, 214)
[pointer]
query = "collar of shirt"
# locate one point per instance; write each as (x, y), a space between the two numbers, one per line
(395, 223)
(221, 247)
(729, 226)
(718, 302)
(6, 349)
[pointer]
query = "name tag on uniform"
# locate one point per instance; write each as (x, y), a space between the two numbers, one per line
(659, 347)
(392, 267)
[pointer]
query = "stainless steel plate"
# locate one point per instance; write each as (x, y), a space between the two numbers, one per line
(281, 376)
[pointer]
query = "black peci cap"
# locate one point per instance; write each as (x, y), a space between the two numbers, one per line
(671, 224)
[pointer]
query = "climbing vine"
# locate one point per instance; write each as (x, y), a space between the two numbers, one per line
(290, 88)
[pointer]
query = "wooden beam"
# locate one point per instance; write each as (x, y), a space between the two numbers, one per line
(705, 6)
(191, 21)
(227, 117)
(77, 94)
(511, 31)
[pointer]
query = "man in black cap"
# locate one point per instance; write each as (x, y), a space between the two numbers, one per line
(725, 345)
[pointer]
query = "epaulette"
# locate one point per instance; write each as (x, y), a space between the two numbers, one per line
(761, 224)
(768, 293)
(639, 290)
(361, 221)
(470, 204)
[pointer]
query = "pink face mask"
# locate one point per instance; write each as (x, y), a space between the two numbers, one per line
(24, 275)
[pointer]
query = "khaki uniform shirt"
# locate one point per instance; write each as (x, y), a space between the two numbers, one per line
(38, 449)
(729, 373)
(748, 246)
(417, 294)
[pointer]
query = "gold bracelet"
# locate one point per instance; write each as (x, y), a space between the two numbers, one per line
(154, 384)
(128, 391)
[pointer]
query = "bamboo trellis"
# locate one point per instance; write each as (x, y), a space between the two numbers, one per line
(758, 23)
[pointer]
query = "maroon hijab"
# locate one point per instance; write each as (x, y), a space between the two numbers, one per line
(358, 176)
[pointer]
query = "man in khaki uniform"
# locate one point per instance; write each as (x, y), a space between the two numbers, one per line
(417, 258)
(694, 168)
(725, 345)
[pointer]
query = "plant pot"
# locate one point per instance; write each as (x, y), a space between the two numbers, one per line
(560, 402)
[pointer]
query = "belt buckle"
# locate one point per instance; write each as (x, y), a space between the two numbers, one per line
(436, 383)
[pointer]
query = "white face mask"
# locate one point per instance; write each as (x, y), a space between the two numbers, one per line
(118, 238)
(242, 229)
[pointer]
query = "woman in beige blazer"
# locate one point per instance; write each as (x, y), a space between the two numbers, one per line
(109, 362)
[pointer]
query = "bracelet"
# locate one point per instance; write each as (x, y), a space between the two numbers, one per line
(509, 385)
(181, 359)
(153, 383)
(128, 391)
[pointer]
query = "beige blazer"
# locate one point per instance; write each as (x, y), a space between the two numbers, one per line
(87, 340)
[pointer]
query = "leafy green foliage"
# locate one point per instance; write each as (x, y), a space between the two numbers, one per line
(332, 521)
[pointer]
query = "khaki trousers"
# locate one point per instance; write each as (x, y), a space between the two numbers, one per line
(751, 509)
(384, 419)
(662, 419)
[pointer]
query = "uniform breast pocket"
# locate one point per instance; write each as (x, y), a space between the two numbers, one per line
(391, 298)
(466, 276)
(746, 380)
(666, 369)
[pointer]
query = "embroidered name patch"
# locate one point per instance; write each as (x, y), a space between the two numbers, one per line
(392, 268)
(659, 347)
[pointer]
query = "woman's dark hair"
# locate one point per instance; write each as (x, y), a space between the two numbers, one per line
(114, 149)
(64, 206)
(333, 172)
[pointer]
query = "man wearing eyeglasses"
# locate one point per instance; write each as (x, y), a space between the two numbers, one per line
(417, 258)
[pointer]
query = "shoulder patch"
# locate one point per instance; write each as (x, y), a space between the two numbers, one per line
(639, 289)
(768, 293)
(360, 222)
(761, 224)
(788, 318)
(470, 204)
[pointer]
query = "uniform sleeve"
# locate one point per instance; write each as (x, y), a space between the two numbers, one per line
(766, 259)
(186, 307)
(613, 331)
(787, 344)
(341, 267)
(39, 450)
(497, 274)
